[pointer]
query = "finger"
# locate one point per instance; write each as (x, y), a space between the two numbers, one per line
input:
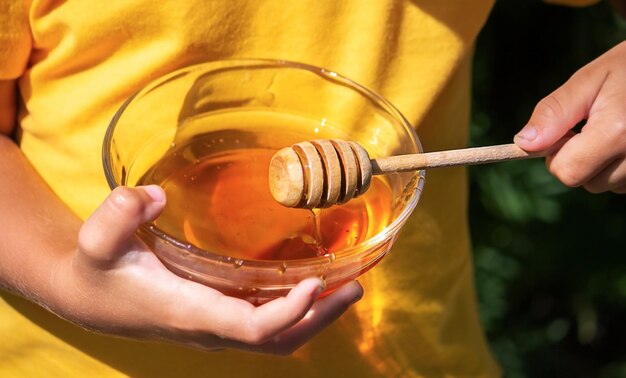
(581, 158)
(563, 109)
(110, 227)
(234, 319)
(614, 176)
(324, 312)
(619, 190)
(601, 142)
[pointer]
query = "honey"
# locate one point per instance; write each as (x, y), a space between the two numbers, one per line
(218, 200)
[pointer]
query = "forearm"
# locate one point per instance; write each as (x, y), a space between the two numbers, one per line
(39, 231)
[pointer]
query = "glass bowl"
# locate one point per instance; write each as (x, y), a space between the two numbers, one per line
(238, 107)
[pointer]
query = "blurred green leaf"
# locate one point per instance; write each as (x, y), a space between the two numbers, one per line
(550, 261)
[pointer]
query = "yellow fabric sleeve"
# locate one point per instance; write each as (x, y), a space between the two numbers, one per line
(15, 40)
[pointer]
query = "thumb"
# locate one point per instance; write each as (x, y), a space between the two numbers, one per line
(555, 115)
(106, 233)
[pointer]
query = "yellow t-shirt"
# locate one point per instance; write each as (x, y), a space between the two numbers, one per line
(76, 62)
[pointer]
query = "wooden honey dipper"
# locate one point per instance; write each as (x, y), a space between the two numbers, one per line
(322, 173)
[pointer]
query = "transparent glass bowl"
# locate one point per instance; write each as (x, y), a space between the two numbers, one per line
(151, 121)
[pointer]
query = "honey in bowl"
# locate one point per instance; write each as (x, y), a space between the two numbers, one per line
(206, 134)
(218, 196)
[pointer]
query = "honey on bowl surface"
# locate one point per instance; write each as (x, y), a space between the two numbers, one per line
(218, 200)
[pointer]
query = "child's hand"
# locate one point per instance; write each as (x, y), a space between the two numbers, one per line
(596, 157)
(114, 284)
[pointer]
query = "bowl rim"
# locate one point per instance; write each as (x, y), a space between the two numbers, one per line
(390, 231)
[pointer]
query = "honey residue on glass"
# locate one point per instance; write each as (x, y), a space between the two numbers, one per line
(218, 200)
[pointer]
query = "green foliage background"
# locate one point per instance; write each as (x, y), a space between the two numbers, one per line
(550, 260)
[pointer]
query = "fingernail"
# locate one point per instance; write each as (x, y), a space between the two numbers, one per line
(528, 133)
(155, 192)
(356, 299)
(318, 291)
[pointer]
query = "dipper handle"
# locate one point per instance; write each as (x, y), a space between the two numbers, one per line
(322, 173)
(450, 158)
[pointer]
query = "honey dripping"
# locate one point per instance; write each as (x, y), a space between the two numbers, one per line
(218, 199)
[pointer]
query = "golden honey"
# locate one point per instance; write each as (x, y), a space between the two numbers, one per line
(218, 199)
